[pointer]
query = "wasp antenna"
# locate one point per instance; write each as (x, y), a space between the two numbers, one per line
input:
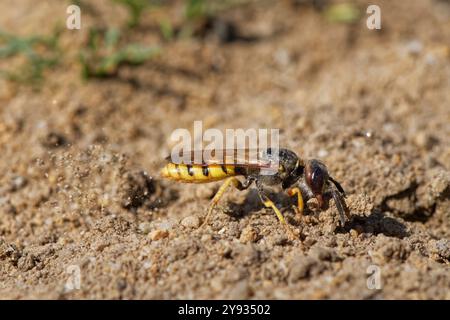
(338, 186)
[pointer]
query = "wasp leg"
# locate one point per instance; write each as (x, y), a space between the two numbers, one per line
(300, 205)
(236, 183)
(269, 204)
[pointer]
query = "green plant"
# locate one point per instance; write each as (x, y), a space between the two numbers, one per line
(343, 13)
(40, 53)
(103, 56)
(135, 9)
(166, 29)
(201, 15)
(195, 9)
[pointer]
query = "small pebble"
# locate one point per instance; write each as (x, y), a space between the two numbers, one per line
(191, 222)
(240, 291)
(309, 241)
(414, 47)
(206, 238)
(322, 153)
(18, 183)
(53, 140)
(424, 140)
(368, 134)
(216, 284)
(166, 225)
(248, 235)
(8, 207)
(282, 57)
(301, 123)
(144, 227)
(301, 267)
(443, 248)
(159, 234)
(324, 254)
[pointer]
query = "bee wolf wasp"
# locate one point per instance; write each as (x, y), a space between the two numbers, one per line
(306, 179)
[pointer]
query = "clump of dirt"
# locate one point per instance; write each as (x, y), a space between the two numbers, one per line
(79, 182)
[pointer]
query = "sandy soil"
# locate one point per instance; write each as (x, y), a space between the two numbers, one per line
(79, 184)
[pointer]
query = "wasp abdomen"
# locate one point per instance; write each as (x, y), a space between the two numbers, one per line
(197, 173)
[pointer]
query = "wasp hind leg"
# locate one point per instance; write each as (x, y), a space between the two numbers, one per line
(230, 181)
(270, 204)
(300, 204)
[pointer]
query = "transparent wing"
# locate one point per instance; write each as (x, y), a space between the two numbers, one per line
(256, 158)
(340, 203)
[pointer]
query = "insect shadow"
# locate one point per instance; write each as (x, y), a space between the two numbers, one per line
(377, 223)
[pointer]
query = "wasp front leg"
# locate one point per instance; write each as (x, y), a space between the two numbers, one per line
(300, 204)
(230, 181)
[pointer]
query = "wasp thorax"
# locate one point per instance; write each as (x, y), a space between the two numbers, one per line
(290, 167)
(288, 161)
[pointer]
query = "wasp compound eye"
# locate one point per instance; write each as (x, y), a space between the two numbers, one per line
(316, 176)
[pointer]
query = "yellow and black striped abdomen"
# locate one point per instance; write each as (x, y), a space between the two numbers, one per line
(197, 173)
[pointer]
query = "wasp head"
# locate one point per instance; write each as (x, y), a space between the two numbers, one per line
(321, 185)
(316, 176)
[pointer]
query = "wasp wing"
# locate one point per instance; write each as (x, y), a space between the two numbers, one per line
(338, 197)
(255, 158)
